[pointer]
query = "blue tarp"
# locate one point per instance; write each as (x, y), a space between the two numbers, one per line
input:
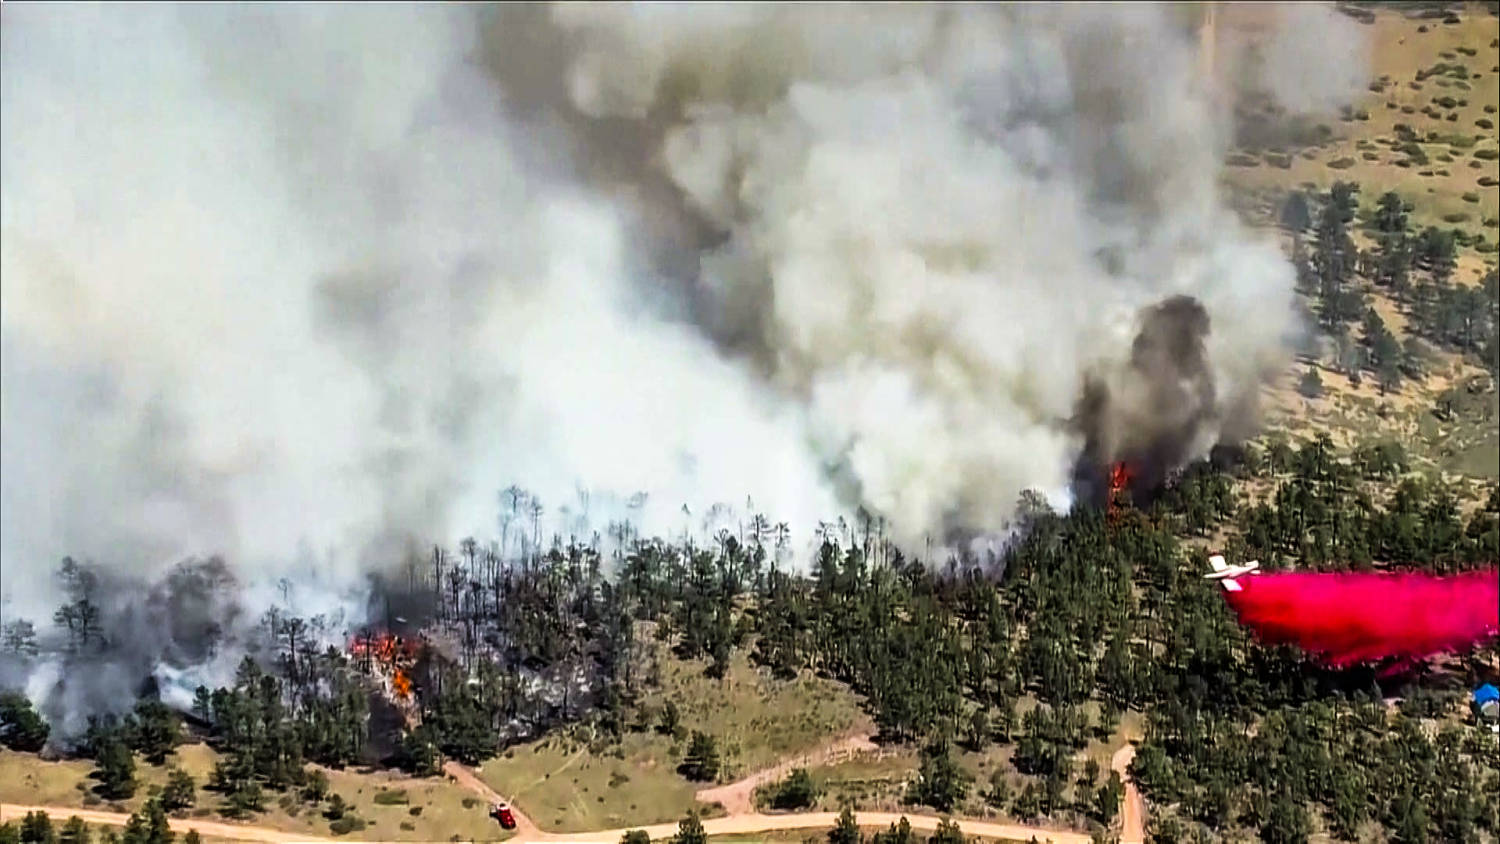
(1486, 693)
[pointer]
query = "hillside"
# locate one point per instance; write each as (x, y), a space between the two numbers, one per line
(1004, 695)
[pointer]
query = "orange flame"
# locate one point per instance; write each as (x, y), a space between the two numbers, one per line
(1119, 480)
(391, 656)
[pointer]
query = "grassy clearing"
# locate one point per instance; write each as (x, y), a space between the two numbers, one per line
(1444, 113)
(879, 782)
(564, 786)
(441, 806)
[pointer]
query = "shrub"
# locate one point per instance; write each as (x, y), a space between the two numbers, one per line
(1341, 163)
(346, 825)
(797, 791)
(1455, 217)
(1240, 159)
(1311, 385)
(1369, 156)
(1484, 248)
(1489, 108)
(1485, 123)
(393, 797)
(1486, 154)
(1471, 197)
(415, 811)
(1488, 181)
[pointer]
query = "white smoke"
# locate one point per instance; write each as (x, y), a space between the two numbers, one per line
(294, 284)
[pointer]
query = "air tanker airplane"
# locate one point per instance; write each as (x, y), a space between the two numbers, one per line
(1227, 574)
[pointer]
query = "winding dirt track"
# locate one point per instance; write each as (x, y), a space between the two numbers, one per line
(737, 797)
(1132, 808)
(468, 779)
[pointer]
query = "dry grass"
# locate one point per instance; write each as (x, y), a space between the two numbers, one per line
(564, 786)
(28, 779)
(1399, 51)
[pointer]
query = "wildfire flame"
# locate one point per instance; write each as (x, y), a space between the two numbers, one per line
(1120, 475)
(390, 655)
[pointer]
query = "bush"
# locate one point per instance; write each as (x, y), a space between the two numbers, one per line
(1485, 123)
(1486, 154)
(1471, 197)
(1341, 163)
(415, 811)
(346, 825)
(1311, 385)
(1485, 248)
(315, 790)
(393, 797)
(1369, 156)
(1456, 217)
(797, 791)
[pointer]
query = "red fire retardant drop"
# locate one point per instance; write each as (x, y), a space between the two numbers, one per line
(1344, 619)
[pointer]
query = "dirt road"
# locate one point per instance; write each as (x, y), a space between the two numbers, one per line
(1132, 808)
(737, 797)
(752, 823)
(468, 779)
(234, 832)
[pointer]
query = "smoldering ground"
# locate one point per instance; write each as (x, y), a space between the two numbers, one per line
(299, 285)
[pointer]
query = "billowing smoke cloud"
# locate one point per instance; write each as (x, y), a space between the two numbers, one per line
(299, 285)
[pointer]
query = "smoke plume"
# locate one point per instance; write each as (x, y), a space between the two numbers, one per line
(296, 286)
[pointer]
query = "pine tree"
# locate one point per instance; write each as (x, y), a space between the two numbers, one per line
(116, 766)
(36, 828)
(690, 830)
(180, 791)
(702, 760)
(75, 831)
(21, 728)
(947, 833)
(846, 831)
